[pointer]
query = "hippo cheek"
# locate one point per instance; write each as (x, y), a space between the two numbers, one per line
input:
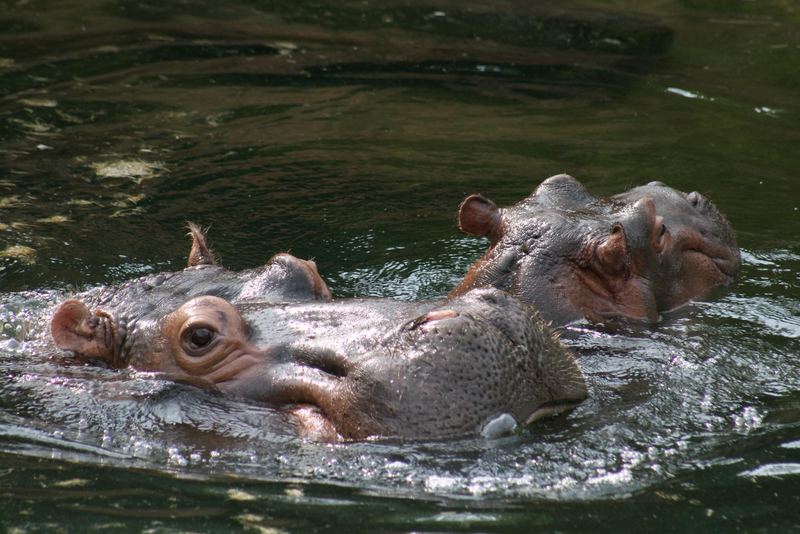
(282, 383)
(637, 301)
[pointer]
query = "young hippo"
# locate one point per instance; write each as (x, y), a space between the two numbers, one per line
(480, 363)
(573, 256)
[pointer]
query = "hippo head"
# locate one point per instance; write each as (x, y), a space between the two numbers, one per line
(572, 255)
(101, 323)
(428, 371)
(702, 251)
(447, 371)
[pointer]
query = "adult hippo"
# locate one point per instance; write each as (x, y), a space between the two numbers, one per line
(572, 256)
(480, 363)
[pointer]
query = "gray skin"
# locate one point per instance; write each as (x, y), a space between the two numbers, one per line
(284, 278)
(628, 257)
(348, 369)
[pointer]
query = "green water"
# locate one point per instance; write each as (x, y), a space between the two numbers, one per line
(349, 132)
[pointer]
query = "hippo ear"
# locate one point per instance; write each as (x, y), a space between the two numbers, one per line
(478, 216)
(612, 256)
(74, 327)
(200, 253)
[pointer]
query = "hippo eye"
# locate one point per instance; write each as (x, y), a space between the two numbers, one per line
(662, 230)
(198, 338)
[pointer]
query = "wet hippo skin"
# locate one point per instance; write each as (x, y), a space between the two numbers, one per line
(346, 369)
(627, 257)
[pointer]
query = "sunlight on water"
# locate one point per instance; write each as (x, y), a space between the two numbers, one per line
(349, 133)
(773, 470)
(657, 402)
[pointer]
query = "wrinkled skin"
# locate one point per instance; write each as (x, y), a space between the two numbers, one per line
(343, 370)
(627, 257)
(284, 278)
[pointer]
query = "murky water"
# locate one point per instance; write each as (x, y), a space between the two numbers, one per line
(349, 132)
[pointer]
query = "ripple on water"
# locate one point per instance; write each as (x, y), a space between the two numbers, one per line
(662, 400)
(773, 470)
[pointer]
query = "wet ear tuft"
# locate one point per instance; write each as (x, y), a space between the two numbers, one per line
(200, 253)
(612, 255)
(478, 216)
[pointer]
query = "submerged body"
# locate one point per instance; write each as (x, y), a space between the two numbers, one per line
(630, 256)
(350, 369)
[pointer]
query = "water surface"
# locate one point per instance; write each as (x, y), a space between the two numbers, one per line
(349, 132)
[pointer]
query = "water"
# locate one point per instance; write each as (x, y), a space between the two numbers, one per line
(349, 132)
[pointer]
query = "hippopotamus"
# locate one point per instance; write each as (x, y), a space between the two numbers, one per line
(574, 256)
(480, 363)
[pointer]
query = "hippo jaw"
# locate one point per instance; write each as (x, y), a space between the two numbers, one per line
(393, 388)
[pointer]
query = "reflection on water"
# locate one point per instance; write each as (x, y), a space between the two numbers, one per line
(693, 394)
(349, 133)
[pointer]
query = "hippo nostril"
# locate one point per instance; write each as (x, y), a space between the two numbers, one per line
(440, 314)
(430, 317)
